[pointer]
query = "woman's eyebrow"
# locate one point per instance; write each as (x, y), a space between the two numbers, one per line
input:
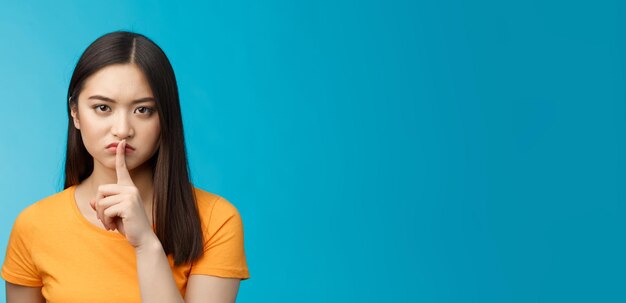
(106, 99)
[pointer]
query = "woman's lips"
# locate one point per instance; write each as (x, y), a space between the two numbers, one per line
(113, 148)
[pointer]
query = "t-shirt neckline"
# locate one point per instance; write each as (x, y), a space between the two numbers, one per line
(109, 234)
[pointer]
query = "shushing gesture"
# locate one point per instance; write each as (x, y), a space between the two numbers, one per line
(119, 206)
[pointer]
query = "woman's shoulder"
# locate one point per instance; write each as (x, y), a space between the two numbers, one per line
(211, 205)
(44, 209)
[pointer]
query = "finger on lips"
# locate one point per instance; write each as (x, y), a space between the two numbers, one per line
(123, 176)
(109, 196)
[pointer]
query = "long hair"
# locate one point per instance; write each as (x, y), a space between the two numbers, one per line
(177, 221)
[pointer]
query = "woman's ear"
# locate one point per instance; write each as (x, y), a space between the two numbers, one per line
(74, 112)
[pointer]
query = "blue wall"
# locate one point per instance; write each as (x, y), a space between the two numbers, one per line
(453, 151)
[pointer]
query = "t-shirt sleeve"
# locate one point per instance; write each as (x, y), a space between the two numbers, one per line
(18, 267)
(224, 254)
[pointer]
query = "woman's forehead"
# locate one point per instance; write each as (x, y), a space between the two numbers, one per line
(118, 82)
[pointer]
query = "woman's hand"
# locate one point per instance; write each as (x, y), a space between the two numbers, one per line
(119, 206)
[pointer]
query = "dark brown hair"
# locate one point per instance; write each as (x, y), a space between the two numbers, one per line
(177, 220)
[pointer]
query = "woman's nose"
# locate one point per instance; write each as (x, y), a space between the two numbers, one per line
(122, 127)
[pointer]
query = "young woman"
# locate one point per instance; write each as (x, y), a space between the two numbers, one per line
(129, 226)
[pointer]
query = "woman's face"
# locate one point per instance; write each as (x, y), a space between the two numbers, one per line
(116, 103)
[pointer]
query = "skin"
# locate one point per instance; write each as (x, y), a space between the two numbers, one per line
(117, 195)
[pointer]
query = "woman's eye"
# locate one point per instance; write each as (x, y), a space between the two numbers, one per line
(101, 107)
(144, 110)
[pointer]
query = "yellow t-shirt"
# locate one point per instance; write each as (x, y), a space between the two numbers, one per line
(54, 247)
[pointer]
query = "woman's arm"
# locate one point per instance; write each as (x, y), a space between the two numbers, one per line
(211, 289)
(156, 281)
(23, 294)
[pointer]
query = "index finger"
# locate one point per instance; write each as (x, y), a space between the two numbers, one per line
(123, 176)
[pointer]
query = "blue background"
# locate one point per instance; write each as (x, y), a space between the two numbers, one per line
(378, 151)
